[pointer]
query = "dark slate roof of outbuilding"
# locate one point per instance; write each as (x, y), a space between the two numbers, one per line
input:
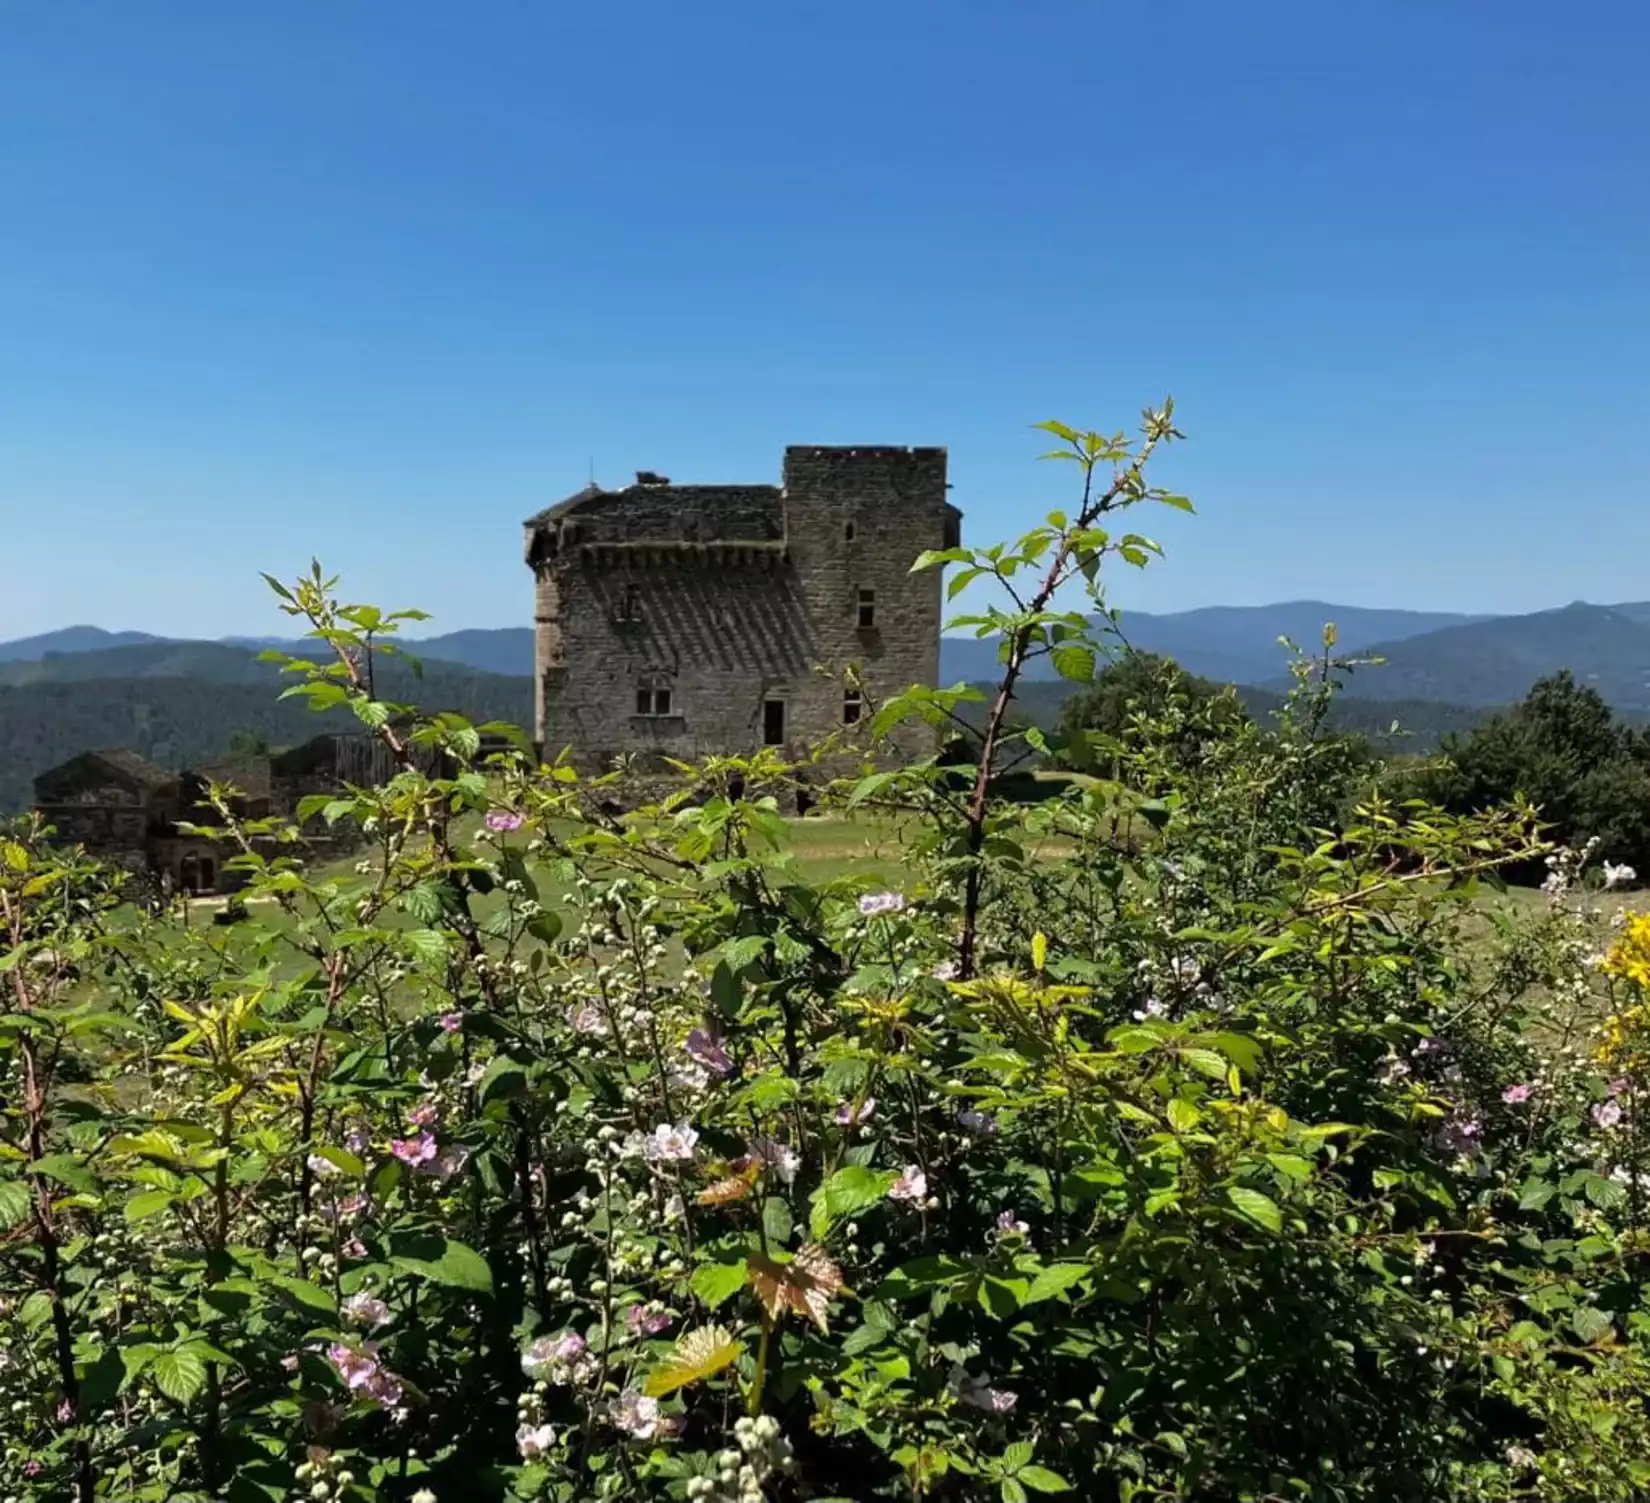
(118, 760)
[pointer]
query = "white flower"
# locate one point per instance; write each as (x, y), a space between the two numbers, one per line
(874, 903)
(363, 1310)
(1155, 1007)
(911, 1185)
(979, 1392)
(669, 1143)
(534, 1440)
(1010, 1225)
(423, 1495)
(587, 1019)
(780, 1157)
(322, 1168)
(978, 1122)
(946, 970)
(636, 1414)
(1617, 876)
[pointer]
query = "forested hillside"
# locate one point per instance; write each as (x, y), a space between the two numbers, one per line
(175, 721)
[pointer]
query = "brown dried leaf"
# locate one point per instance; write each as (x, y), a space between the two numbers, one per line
(735, 1186)
(805, 1284)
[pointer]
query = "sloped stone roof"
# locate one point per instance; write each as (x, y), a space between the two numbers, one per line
(702, 513)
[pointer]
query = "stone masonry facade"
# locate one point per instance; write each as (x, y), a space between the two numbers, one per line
(688, 620)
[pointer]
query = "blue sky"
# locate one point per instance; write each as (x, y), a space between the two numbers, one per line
(374, 281)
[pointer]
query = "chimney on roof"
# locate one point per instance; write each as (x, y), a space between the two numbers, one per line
(647, 477)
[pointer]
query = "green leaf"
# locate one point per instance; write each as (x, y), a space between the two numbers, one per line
(1206, 1062)
(1053, 1280)
(441, 1260)
(776, 1219)
(179, 1375)
(1590, 1323)
(505, 1078)
(306, 1293)
(1040, 1480)
(1183, 1115)
(1012, 1491)
(14, 1203)
(148, 1203)
(1255, 1207)
(429, 945)
(1074, 661)
(851, 1189)
(716, 1283)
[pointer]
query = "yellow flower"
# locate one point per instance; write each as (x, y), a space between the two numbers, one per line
(1629, 956)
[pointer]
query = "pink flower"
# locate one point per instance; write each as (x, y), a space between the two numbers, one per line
(1616, 1087)
(703, 1048)
(911, 1185)
(356, 1367)
(364, 1374)
(1514, 1094)
(637, 1414)
(290, 1362)
(587, 1018)
(1607, 1113)
(354, 1248)
(645, 1322)
(501, 821)
(451, 1022)
(1010, 1225)
(849, 1115)
(550, 1352)
(425, 1114)
(414, 1151)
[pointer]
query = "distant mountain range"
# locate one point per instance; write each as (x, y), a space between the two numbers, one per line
(1440, 656)
(178, 701)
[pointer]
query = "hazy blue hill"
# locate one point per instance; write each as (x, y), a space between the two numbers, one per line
(1236, 644)
(208, 662)
(505, 649)
(69, 639)
(1495, 662)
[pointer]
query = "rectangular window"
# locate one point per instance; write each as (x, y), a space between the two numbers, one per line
(773, 722)
(853, 705)
(867, 609)
(653, 701)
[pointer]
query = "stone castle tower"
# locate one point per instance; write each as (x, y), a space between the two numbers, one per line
(684, 620)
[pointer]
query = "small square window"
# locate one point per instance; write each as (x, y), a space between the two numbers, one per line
(867, 609)
(651, 701)
(644, 701)
(853, 706)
